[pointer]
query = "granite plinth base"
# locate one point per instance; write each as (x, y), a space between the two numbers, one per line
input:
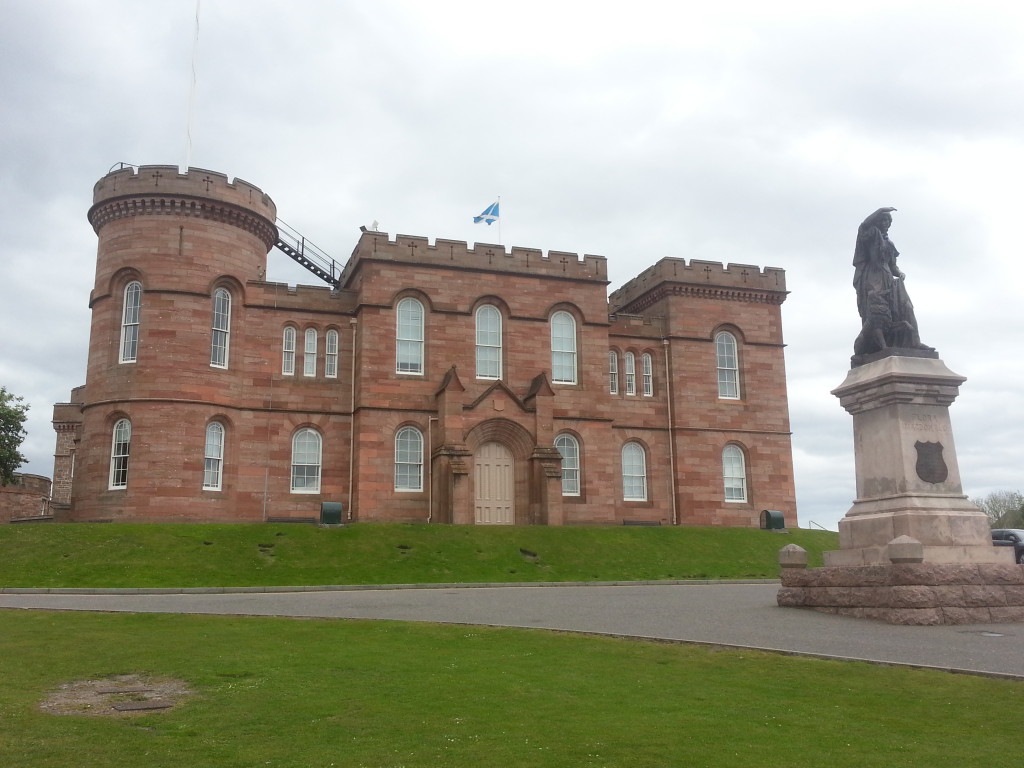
(910, 593)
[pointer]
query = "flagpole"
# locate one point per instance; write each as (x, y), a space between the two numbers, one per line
(190, 115)
(499, 219)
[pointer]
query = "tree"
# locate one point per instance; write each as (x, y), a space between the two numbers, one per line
(1005, 509)
(12, 433)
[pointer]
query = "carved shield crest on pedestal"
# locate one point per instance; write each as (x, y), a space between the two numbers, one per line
(931, 467)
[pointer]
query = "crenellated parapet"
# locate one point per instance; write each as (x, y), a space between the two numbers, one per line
(161, 190)
(482, 256)
(703, 279)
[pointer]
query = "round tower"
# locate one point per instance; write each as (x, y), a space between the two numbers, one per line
(168, 337)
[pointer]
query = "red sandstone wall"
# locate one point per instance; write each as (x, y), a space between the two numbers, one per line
(28, 497)
(171, 392)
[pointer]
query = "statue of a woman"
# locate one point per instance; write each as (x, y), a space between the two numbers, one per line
(886, 312)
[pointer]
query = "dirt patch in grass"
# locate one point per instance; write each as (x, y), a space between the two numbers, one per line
(116, 696)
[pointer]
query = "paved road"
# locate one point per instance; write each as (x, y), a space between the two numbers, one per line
(743, 615)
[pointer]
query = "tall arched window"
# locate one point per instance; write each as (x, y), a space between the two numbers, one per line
(630, 364)
(306, 451)
(220, 340)
(563, 348)
(409, 337)
(734, 473)
(634, 472)
(728, 366)
(120, 448)
(568, 446)
(409, 459)
(130, 322)
(213, 456)
(488, 342)
(309, 353)
(331, 356)
(613, 372)
(647, 365)
(288, 352)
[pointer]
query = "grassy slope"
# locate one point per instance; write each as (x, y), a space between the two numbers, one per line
(299, 693)
(121, 555)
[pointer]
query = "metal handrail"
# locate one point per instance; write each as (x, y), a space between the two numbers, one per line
(302, 250)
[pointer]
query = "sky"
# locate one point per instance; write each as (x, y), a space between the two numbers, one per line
(743, 132)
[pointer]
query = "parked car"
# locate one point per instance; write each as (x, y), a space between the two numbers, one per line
(1010, 537)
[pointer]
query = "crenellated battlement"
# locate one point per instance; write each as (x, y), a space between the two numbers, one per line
(164, 190)
(457, 253)
(738, 282)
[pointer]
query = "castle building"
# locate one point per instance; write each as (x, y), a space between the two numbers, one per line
(425, 382)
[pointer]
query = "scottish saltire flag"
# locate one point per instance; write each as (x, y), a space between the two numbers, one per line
(490, 215)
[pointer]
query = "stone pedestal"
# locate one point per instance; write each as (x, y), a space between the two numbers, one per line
(908, 479)
(913, 548)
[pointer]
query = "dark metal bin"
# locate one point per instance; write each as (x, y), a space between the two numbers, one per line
(330, 513)
(772, 520)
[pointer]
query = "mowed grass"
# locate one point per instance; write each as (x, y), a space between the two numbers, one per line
(300, 693)
(177, 555)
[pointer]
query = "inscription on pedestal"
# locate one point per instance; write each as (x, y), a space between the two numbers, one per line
(922, 422)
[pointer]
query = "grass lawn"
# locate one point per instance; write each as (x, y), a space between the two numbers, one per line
(178, 555)
(301, 693)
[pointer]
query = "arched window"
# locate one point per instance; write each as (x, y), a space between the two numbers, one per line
(213, 456)
(409, 459)
(130, 322)
(630, 363)
(563, 348)
(331, 356)
(288, 352)
(568, 446)
(613, 372)
(409, 336)
(728, 366)
(634, 472)
(734, 473)
(220, 340)
(120, 448)
(306, 450)
(647, 365)
(488, 342)
(309, 353)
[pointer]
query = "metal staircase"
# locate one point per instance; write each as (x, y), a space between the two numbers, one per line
(307, 254)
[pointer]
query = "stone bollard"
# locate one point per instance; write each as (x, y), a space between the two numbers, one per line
(905, 549)
(793, 556)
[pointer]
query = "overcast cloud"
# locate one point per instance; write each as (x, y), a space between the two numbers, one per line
(755, 133)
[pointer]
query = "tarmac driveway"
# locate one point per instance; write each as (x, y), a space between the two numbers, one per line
(729, 614)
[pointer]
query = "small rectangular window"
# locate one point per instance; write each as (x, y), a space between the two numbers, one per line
(120, 449)
(409, 337)
(221, 332)
(288, 352)
(309, 354)
(331, 357)
(130, 322)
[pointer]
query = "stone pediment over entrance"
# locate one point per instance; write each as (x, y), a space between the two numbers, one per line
(499, 397)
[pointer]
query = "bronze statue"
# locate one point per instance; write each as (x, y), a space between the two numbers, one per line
(886, 312)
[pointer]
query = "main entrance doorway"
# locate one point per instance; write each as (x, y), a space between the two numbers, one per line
(494, 485)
